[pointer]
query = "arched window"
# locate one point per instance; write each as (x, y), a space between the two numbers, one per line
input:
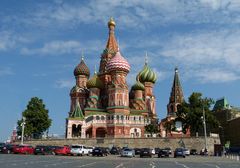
(97, 118)
(102, 118)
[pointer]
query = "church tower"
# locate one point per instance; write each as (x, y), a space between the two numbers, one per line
(148, 78)
(176, 96)
(108, 53)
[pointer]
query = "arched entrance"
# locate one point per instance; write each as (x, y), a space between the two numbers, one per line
(76, 130)
(101, 132)
(89, 133)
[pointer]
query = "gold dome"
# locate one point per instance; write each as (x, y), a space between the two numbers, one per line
(111, 22)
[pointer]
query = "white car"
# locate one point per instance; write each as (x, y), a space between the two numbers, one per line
(186, 151)
(153, 151)
(79, 150)
(128, 152)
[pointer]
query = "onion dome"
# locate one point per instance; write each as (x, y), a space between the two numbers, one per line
(81, 69)
(147, 75)
(95, 82)
(138, 86)
(118, 63)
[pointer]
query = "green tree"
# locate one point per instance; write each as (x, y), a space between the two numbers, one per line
(152, 128)
(37, 119)
(191, 112)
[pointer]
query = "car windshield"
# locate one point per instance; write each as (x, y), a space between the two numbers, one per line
(76, 146)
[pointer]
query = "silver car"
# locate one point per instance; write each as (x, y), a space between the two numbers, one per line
(128, 152)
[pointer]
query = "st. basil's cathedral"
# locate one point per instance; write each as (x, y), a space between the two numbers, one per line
(104, 106)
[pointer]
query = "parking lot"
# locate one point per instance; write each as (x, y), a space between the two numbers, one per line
(112, 161)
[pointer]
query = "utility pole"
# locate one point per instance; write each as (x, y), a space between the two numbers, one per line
(205, 129)
(23, 124)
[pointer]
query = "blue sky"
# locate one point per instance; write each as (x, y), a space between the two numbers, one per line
(41, 43)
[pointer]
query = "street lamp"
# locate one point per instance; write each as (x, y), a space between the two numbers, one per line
(23, 124)
(205, 130)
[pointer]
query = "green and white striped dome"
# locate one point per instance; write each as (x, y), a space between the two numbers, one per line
(147, 75)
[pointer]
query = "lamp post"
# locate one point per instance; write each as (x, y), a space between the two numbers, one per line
(23, 124)
(205, 131)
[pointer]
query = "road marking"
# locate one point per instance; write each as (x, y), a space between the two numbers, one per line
(152, 164)
(121, 165)
(213, 165)
(181, 164)
(87, 164)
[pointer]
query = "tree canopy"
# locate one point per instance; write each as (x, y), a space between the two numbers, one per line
(191, 112)
(37, 119)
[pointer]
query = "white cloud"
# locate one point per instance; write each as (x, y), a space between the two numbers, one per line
(216, 76)
(7, 40)
(6, 71)
(62, 47)
(136, 12)
(64, 83)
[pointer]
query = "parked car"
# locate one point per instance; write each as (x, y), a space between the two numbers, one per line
(23, 149)
(79, 150)
(90, 149)
(99, 151)
(157, 150)
(193, 152)
(1, 146)
(179, 152)
(127, 152)
(62, 150)
(163, 153)
(169, 150)
(146, 152)
(7, 148)
(114, 151)
(137, 151)
(186, 151)
(204, 152)
(153, 151)
(44, 150)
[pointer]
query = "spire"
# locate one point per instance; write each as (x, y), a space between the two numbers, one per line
(176, 81)
(77, 112)
(146, 58)
(82, 57)
(111, 43)
(176, 96)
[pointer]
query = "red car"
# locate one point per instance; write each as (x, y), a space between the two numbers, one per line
(23, 149)
(62, 150)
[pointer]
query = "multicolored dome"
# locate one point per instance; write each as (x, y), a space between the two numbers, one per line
(147, 75)
(138, 86)
(118, 63)
(95, 82)
(81, 69)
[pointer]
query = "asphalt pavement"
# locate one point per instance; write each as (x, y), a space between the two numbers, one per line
(50, 161)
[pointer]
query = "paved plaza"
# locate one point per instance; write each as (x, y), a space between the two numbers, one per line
(32, 161)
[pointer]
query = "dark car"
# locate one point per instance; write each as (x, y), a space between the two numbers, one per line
(99, 151)
(163, 153)
(137, 151)
(193, 152)
(157, 150)
(7, 148)
(169, 150)
(146, 152)
(114, 151)
(179, 152)
(43, 150)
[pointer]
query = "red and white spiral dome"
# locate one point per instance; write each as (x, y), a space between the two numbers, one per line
(118, 63)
